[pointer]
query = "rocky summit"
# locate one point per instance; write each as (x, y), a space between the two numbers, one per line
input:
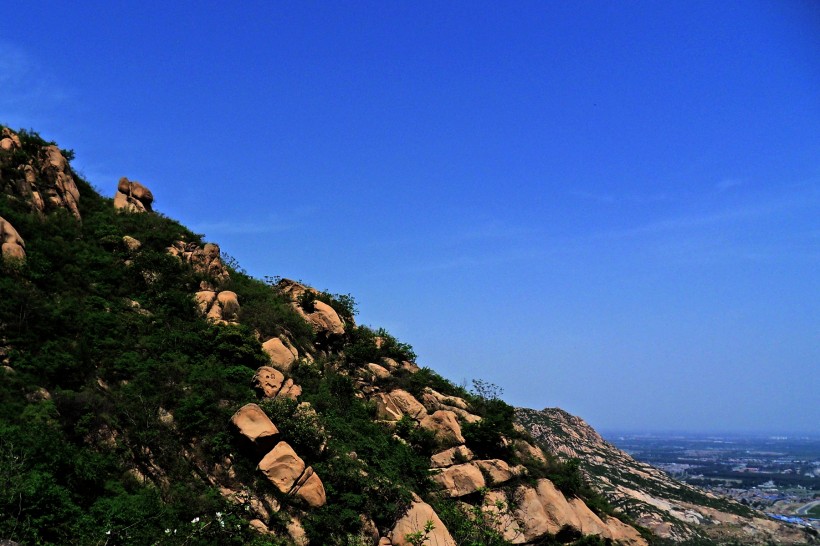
(154, 393)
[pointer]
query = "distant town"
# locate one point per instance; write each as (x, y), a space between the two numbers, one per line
(779, 475)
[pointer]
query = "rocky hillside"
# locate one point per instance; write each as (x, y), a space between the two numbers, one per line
(669, 508)
(152, 393)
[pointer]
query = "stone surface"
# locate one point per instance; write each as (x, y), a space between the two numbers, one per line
(282, 466)
(282, 356)
(325, 319)
(229, 305)
(132, 196)
(460, 479)
(206, 260)
(44, 181)
(312, 491)
(9, 140)
(542, 509)
(219, 307)
(252, 423)
(131, 244)
(259, 526)
(290, 390)
(12, 245)
(497, 471)
(407, 404)
(204, 300)
(449, 457)
(386, 409)
(414, 520)
(445, 424)
(297, 532)
(380, 372)
(267, 381)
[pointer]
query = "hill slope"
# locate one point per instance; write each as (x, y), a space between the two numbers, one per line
(153, 394)
(671, 509)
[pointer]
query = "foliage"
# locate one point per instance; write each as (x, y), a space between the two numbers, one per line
(480, 524)
(267, 310)
(366, 472)
(367, 345)
(487, 437)
(343, 304)
(418, 538)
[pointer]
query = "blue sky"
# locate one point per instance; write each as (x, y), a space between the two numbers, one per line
(609, 207)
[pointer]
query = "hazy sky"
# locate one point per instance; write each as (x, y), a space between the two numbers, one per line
(611, 207)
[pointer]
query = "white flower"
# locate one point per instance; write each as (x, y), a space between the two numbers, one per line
(219, 514)
(167, 531)
(195, 520)
(108, 532)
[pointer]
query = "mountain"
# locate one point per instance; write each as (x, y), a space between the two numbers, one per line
(154, 393)
(669, 508)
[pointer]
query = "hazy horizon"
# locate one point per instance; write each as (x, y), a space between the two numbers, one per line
(609, 208)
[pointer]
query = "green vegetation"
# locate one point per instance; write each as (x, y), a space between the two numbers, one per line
(116, 395)
(365, 470)
(478, 524)
(365, 345)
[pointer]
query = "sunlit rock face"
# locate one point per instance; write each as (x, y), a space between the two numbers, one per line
(42, 178)
(132, 196)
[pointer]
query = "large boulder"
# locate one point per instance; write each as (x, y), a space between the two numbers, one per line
(311, 490)
(386, 409)
(449, 457)
(9, 141)
(254, 424)
(219, 307)
(414, 521)
(282, 466)
(321, 316)
(407, 404)
(460, 479)
(12, 245)
(445, 425)
(287, 471)
(379, 372)
(282, 356)
(434, 400)
(132, 196)
(497, 471)
(325, 319)
(267, 381)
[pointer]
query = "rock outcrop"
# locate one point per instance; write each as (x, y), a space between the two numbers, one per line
(322, 317)
(9, 141)
(414, 521)
(219, 307)
(671, 509)
(287, 471)
(13, 246)
(467, 478)
(254, 424)
(41, 178)
(281, 353)
(540, 510)
(445, 425)
(271, 383)
(205, 260)
(132, 196)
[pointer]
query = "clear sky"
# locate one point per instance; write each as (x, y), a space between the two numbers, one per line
(610, 207)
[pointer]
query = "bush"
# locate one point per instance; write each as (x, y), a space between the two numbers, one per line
(362, 346)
